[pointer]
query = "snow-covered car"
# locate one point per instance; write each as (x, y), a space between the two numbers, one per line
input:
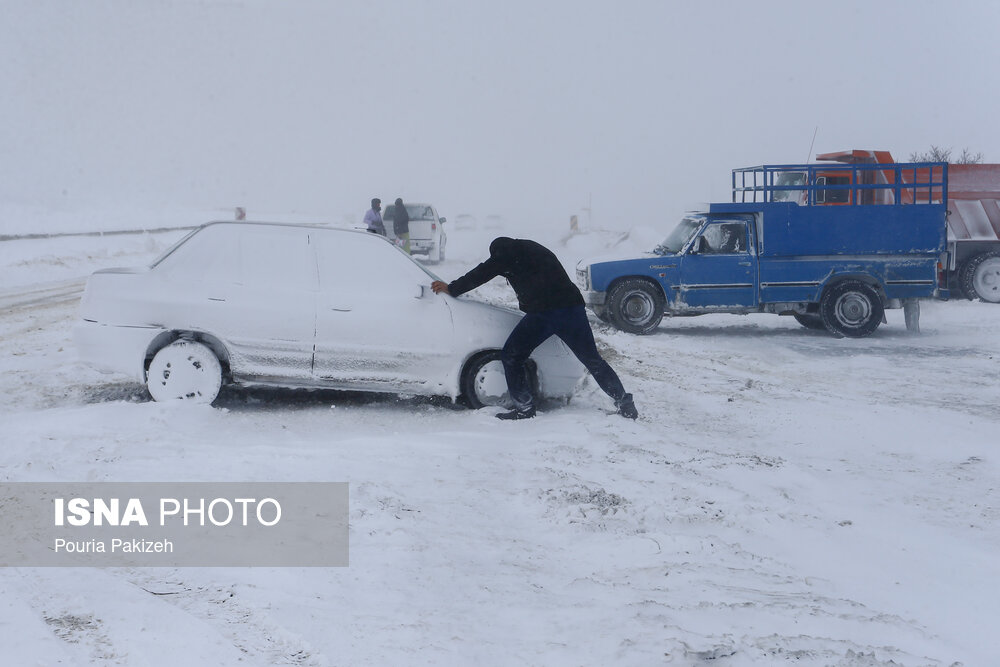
(300, 306)
(427, 236)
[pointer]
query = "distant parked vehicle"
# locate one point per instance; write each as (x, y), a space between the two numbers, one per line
(465, 221)
(300, 306)
(493, 221)
(427, 235)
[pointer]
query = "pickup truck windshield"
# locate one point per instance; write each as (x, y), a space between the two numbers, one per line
(678, 238)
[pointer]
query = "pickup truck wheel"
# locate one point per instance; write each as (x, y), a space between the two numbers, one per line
(810, 320)
(980, 277)
(184, 370)
(635, 306)
(851, 308)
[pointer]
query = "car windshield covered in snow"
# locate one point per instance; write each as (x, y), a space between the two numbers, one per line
(416, 211)
(678, 238)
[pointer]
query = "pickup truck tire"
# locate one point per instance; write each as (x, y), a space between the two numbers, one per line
(980, 277)
(851, 308)
(810, 321)
(635, 306)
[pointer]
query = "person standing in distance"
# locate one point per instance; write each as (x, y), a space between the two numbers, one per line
(553, 305)
(401, 224)
(373, 218)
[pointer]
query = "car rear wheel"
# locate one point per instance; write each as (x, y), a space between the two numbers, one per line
(635, 306)
(851, 308)
(184, 370)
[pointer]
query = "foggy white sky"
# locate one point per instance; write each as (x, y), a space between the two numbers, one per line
(525, 108)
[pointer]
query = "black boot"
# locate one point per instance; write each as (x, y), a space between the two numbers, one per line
(517, 414)
(626, 407)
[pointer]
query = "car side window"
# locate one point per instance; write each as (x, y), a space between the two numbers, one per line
(276, 258)
(208, 257)
(365, 263)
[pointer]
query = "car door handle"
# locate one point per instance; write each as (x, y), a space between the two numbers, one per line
(745, 264)
(340, 310)
(215, 298)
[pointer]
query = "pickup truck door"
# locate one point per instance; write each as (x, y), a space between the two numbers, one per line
(719, 271)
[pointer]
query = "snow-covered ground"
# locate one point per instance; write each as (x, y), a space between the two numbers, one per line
(784, 498)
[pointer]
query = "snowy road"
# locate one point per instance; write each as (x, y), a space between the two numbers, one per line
(63, 291)
(785, 498)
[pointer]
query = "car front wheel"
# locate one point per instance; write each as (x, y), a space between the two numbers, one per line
(484, 382)
(184, 370)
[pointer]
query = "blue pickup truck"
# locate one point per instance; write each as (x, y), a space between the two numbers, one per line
(831, 245)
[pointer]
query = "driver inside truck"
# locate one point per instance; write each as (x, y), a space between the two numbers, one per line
(724, 239)
(733, 238)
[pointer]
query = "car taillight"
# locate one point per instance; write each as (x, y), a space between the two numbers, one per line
(434, 226)
(941, 278)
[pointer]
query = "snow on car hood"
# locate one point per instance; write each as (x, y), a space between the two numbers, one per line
(613, 257)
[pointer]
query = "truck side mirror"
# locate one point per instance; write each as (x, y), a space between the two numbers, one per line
(700, 246)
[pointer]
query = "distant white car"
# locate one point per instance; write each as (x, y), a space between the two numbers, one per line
(300, 306)
(427, 236)
(494, 221)
(465, 221)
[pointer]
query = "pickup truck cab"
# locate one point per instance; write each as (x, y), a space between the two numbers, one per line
(831, 267)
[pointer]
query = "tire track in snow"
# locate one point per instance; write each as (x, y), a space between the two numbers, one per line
(220, 608)
(42, 294)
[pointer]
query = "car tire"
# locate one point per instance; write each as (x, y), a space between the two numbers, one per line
(484, 383)
(185, 370)
(851, 308)
(635, 306)
(980, 277)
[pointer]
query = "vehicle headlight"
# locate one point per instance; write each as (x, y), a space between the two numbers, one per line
(583, 277)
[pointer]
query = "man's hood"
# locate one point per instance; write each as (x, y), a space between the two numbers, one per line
(502, 249)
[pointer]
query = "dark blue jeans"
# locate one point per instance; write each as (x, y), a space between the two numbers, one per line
(572, 326)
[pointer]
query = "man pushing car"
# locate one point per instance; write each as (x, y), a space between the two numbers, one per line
(553, 305)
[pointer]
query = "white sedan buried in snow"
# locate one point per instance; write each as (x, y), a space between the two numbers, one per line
(299, 306)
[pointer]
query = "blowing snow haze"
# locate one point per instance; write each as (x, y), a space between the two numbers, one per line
(530, 110)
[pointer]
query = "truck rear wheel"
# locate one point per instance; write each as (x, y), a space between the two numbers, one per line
(980, 277)
(851, 308)
(635, 306)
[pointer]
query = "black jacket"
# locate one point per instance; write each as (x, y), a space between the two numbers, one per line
(538, 279)
(400, 220)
